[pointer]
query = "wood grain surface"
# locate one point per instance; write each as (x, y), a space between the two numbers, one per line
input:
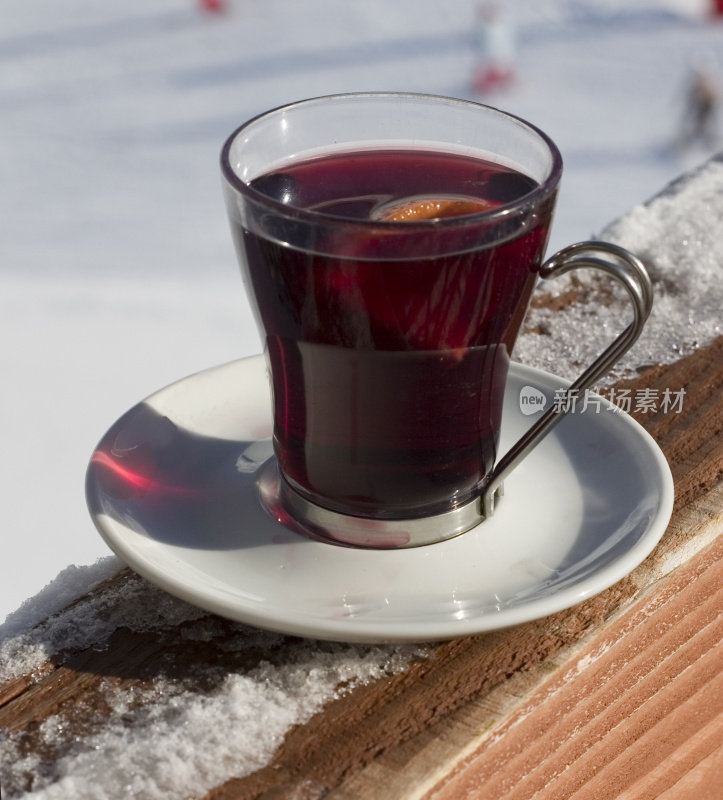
(616, 697)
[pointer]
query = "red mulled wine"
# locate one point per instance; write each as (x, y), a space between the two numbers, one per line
(389, 341)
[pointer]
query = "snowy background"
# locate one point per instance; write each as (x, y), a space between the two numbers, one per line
(118, 274)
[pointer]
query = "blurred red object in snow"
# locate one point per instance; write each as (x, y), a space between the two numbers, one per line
(213, 6)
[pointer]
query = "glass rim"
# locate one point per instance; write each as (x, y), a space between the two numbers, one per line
(534, 197)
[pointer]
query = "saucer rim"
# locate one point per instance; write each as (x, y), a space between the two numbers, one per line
(358, 629)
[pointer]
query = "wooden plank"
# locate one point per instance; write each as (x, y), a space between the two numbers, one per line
(601, 711)
(701, 782)
(443, 707)
(694, 437)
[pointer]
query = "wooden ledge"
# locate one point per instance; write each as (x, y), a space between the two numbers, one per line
(634, 710)
(621, 690)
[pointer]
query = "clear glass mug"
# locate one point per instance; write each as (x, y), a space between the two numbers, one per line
(389, 314)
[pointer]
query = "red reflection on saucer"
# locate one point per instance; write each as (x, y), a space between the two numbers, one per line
(127, 480)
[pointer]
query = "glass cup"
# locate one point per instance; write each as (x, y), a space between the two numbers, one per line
(390, 244)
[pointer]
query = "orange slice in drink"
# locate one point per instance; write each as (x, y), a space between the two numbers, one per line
(414, 209)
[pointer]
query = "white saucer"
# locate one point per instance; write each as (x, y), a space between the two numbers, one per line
(171, 488)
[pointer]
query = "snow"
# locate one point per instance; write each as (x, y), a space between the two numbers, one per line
(676, 235)
(167, 737)
(118, 274)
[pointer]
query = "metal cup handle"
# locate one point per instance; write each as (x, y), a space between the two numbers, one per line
(628, 270)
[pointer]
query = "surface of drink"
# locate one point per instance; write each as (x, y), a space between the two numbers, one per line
(389, 357)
